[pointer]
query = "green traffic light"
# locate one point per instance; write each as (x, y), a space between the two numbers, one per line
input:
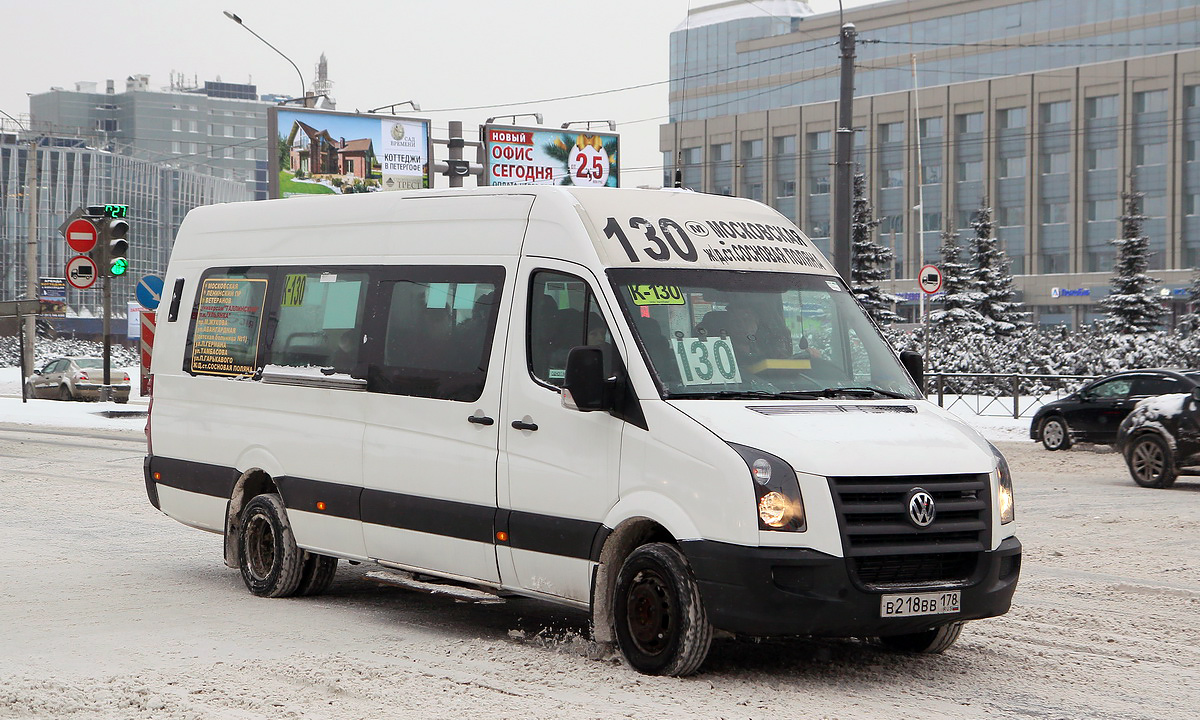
(119, 266)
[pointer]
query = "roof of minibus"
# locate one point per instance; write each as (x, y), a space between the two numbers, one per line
(628, 227)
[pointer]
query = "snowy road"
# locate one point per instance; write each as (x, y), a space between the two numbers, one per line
(112, 610)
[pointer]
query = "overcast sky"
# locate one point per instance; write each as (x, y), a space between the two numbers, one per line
(444, 54)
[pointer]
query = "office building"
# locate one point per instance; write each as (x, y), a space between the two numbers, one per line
(1044, 110)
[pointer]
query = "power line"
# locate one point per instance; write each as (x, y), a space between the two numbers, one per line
(1029, 45)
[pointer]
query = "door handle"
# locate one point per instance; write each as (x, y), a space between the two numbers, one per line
(480, 420)
(522, 425)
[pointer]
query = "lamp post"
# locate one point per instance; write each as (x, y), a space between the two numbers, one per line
(31, 267)
(238, 20)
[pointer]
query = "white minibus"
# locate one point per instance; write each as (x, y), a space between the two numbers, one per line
(660, 406)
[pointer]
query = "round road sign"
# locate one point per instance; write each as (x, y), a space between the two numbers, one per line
(81, 235)
(149, 291)
(930, 279)
(81, 272)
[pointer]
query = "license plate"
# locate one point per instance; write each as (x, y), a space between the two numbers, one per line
(908, 604)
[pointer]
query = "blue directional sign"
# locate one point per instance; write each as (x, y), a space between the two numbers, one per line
(149, 291)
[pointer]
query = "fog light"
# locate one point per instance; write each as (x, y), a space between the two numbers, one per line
(773, 509)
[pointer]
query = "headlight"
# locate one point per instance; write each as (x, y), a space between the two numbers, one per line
(780, 505)
(1004, 488)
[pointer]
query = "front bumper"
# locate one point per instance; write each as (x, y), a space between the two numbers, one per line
(795, 591)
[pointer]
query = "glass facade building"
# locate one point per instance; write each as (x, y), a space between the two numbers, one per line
(1044, 110)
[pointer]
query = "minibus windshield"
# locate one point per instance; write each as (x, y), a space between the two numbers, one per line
(735, 334)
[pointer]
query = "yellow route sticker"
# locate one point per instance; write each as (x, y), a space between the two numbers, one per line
(656, 295)
(293, 290)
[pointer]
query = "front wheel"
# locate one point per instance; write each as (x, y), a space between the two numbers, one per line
(661, 625)
(271, 563)
(929, 641)
(1150, 462)
(1055, 435)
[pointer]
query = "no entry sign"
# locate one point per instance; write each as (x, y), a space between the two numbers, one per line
(81, 235)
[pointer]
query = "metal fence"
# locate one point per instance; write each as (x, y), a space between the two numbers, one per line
(1000, 394)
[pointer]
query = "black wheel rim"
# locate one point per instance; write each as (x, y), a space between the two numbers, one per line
(260, 547)
(650, 613)
(1148, 461)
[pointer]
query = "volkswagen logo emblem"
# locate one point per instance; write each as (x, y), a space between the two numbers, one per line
(921, 509)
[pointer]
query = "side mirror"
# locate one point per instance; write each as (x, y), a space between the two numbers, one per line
(1196, 394)
(912, 362)
(584, 386)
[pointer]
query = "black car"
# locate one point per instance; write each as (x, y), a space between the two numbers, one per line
(1095, 411)
(1160, 439)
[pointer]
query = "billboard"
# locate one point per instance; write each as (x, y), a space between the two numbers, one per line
(52, 297)
(542, 156)
(317, 152)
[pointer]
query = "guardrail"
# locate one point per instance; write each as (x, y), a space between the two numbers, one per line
(1000, 394)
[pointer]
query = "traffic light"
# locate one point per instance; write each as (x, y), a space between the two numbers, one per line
(112, 236)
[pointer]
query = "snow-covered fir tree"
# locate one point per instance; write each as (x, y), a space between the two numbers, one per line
(992, 280)
(869, 260)
(1129, 306)
(1189, 322)
(957, 314)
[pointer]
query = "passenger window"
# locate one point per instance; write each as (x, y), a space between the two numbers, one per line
(320, 319)
(1148, 386)
(1112, 389)
(437, 336)
(563, 313)
(226, 325)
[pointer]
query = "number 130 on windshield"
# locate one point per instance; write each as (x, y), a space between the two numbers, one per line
(665, 239)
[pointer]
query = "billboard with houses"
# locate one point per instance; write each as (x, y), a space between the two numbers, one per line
(318, 152)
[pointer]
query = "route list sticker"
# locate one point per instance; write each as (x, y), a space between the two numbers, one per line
(228, 317)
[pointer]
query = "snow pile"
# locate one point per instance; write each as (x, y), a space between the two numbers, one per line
(47, 348)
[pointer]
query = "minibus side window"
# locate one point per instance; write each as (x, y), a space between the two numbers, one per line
(563, 313)
(437, 335)
(225, 333)
(319, 319)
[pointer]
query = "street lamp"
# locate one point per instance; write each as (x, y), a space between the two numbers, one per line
(238, 20)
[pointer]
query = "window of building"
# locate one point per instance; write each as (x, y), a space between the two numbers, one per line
(176, 147)
(1056, 162)
(1191, 95)
(1154, 206)
(820, 228)
(1101, 158)
(1011, 118)
(970, 170)
(1191, 204)
(1055, 112)
(1054, 213)
(176, 124)
(819, 185)
(931, 174)
(720, 156)
(1104, 106)
(1013, 216)
(819, 140)
(968, 123)
(893, 178)
(1011, 167)
(193, 126)
(1191, 150)
(1150, 101)
(930, 127)
(1102, 210)
(931, 221)
(891, 132)
(1149, 154)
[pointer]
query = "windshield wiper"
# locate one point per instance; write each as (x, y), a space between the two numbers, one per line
(861, 392)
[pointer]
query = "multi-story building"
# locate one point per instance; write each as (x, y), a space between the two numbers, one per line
(1044, 110)
(218, 128)
(68, 175)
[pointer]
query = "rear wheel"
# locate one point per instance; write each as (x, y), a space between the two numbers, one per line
(929, 641)
(1054, 434)
(64, 393)
(271, 563)
(1150, 462)
(661, 626)
(317, 575)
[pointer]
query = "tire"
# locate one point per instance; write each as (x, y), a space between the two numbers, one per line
(1054, 433)
(64, 393)
(271, 563)
(932, 641)
(317, 575)
(1151, 463)
(660, 622)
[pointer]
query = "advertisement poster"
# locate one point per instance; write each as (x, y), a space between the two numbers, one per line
(52, 297)
(226, 330)
(133, 320)
(317, 152)
(540, 156)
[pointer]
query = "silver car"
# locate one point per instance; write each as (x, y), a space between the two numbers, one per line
(74, 378)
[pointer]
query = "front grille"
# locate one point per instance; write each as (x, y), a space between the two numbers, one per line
(886, 548)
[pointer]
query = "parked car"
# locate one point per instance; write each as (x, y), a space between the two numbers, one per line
(1160, 439)
(75, 378)
(1095, 411)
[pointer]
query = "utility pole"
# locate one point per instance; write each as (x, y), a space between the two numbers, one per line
(843, 175)
(31, 267)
